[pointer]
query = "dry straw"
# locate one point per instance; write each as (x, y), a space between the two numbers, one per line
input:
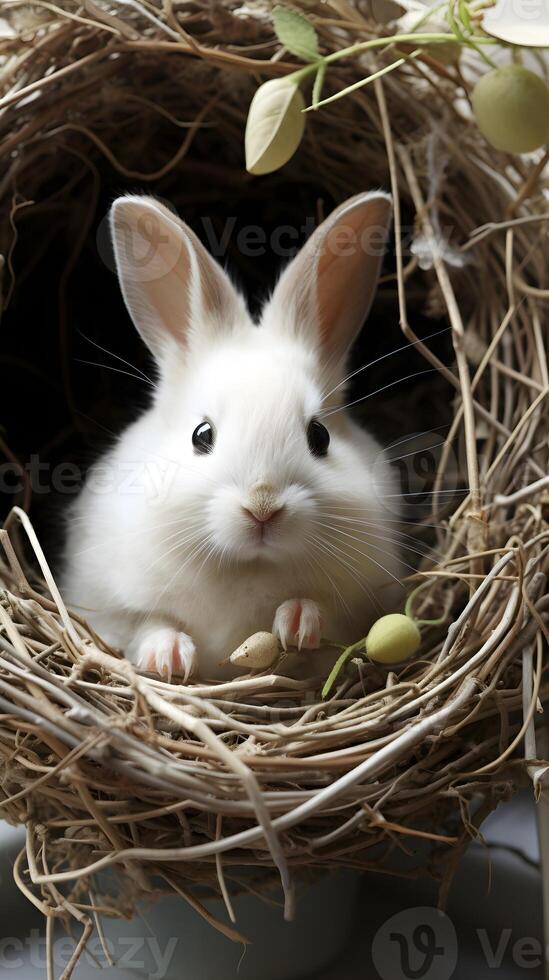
(182, 787)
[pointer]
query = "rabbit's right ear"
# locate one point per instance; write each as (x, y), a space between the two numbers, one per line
(171, 285)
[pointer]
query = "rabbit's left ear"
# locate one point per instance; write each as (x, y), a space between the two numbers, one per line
(325, 293)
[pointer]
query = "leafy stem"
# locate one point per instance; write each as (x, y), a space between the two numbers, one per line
(319, 65)
(364, 81)
(359, 647)
(381, 42)
(408, 609)
(461, 24)
(318, 83)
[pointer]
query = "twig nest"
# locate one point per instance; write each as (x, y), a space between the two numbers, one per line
(258, 651)
(511, 107)
(392, 639)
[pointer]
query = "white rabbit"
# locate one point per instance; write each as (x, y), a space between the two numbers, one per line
(244, 498)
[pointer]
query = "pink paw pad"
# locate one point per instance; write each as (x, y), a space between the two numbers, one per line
(166, 652)
(297, 623)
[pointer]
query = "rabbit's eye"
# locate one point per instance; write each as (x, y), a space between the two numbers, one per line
(318, 438)
(203, 438)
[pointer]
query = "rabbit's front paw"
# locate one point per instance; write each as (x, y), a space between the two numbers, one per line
(297, 623)
(166, 652)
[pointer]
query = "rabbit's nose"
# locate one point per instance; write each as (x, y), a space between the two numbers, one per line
(261, 517)
(263, 503)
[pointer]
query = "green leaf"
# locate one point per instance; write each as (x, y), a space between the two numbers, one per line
(454, 26)
(296, 33)
(275, 125)
(464, 15)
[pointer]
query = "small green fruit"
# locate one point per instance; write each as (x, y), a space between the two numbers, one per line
(392, 639)
(511, 107)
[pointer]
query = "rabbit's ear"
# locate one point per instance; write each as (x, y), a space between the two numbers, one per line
(326, 292)
(171, 286)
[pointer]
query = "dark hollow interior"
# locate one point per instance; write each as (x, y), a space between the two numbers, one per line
(59, 411)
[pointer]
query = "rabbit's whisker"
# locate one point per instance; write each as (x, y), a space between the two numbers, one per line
(315, 563)
(370, 557)
(382, 357)
(366, 537)
(391, 384)
(125, 535)
(194, 554)
(386, 522)
(117, 357)
(391, 534)
(180, 543)
(330, 549)
(109, 367)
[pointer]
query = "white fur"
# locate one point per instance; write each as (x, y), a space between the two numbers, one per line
(159, 546)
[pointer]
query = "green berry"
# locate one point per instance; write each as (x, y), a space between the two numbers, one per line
(392, 639)
(511, 107)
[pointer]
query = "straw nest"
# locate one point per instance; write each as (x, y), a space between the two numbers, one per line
(181, 787)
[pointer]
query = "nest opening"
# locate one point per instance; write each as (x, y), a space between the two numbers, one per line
(80, 356)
